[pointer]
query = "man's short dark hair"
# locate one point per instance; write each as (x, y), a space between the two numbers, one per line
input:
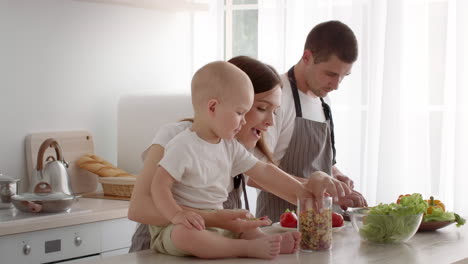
(332, 38)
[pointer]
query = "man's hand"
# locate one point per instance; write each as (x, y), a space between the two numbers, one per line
(337, 174)
(345, 179)
(189, 219)
(355, 199)
(239, 220)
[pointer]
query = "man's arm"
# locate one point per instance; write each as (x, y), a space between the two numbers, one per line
(355, 199)
(341, 177)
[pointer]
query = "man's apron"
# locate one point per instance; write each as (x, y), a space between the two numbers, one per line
(311, 149)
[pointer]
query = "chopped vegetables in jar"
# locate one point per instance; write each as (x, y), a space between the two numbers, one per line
(315, 229)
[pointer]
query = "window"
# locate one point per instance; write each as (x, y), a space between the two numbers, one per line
(241, 28)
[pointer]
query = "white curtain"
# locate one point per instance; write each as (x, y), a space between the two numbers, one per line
(401, 117)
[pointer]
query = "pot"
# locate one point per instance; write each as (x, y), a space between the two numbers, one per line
(45, 203)
(44, 200)
(8, 188)
(55, 170)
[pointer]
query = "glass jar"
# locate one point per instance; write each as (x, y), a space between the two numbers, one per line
(7, 190)
(315, 227)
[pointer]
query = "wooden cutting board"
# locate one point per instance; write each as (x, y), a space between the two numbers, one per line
(74, 144)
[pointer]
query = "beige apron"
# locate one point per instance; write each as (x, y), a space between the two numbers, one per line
(141, 238)
(311, 149)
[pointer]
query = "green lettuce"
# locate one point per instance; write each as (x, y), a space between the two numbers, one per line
(402, 223)
(459, 220)
(439, 215)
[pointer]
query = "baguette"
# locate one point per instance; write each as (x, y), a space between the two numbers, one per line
(101, 167)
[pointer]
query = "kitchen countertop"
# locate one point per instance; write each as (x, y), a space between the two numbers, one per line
(447, 245)
(86, 210)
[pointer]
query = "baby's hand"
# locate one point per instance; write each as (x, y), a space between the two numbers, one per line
(189, 219)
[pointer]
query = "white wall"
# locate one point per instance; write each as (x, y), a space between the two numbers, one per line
(64, 64)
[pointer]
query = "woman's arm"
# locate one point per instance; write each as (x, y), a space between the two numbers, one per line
(143, 210)
(289, 189)
(251, 182)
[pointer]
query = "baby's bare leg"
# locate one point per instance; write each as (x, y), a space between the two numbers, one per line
(209, 245)
(289, 242)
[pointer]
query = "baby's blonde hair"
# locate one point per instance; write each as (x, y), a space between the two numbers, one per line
(217, 80)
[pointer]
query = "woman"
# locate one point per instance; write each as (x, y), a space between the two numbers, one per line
(267, 88)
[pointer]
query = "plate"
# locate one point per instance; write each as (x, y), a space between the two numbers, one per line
(336, 229)
(278, 226)
(434, 225)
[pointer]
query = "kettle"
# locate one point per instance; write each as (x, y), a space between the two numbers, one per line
(54, 172)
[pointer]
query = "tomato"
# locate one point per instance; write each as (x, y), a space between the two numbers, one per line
(337, 220)
(399, 197)
(288, 219)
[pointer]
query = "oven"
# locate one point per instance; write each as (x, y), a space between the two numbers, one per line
(58, 245)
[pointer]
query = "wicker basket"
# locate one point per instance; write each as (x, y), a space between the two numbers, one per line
(117, 186)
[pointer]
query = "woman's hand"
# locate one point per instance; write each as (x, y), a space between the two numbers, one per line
(319, 182)
(237, 220)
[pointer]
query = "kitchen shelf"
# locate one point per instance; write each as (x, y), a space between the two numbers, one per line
(164, 5)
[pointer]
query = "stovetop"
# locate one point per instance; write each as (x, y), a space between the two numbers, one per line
(13, 214)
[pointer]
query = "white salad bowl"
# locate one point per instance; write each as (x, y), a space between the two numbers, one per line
(384, 229)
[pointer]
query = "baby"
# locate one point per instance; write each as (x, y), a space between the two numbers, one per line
(197, 169)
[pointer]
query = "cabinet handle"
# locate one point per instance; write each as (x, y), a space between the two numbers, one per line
(78, 241)
(26, 249)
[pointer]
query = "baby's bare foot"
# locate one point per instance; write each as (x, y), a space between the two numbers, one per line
(267, 247)
(290, 242)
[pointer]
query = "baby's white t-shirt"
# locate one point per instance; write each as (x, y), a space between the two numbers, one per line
(203, 171)
(279, 135)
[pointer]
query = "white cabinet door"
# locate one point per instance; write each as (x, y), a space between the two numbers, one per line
(80, 260)
(114, 252)
(116, 234)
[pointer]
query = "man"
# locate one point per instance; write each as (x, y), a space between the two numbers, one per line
(303, 137)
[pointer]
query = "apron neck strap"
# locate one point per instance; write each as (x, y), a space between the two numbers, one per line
(238, 180)
(326, 109)
(328, 116)
(295, 92)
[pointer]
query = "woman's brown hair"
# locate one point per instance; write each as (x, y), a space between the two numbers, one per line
(263, 78)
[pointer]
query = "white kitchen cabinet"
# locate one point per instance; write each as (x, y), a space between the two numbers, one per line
(80, 260)
(116, 234)
(91, 240)
(114, 252)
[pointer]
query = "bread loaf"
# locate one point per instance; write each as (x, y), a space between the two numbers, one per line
(101, 167)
